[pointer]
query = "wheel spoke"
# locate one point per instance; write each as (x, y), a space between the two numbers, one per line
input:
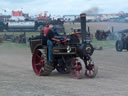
(38, 64)
(40, 70)
(74, 72)
(93, 69)
(42, 62)
(38, 56)
(79, 72)
(89, 72)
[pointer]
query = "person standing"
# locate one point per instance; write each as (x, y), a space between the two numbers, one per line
(45, 30)
(50, 38)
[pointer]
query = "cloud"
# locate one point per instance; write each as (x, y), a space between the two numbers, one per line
(111, 6)
(17, 1)
(63, 6)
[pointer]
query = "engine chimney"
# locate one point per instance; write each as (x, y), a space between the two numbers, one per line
(83, 27)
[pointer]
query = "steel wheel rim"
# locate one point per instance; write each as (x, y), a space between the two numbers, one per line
(91, 71)
(77, 68)
(38, 62)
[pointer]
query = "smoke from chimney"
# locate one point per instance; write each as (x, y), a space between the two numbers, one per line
(92, 11)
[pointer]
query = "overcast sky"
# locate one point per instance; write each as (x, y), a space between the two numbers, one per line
(63, 7)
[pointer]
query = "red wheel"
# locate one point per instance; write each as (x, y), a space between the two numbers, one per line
(38, 62)
(78, 68)
(91, 70)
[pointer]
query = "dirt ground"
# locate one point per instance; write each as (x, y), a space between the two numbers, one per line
(18, 79)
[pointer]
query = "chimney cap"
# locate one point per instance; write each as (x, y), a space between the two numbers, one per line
(82, 15)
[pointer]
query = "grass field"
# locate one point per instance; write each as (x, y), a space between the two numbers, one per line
(8, 45)
(28, 34)
(104, 44)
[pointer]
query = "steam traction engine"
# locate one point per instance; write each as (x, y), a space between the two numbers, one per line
(69, 56)
(122, 43)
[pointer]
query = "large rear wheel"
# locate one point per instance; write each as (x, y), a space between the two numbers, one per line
(39, 63)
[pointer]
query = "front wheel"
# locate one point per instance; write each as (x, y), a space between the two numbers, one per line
(91, 69)
(119, 45)
(77, 68)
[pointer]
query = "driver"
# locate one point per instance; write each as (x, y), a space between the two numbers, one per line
(50, 38)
